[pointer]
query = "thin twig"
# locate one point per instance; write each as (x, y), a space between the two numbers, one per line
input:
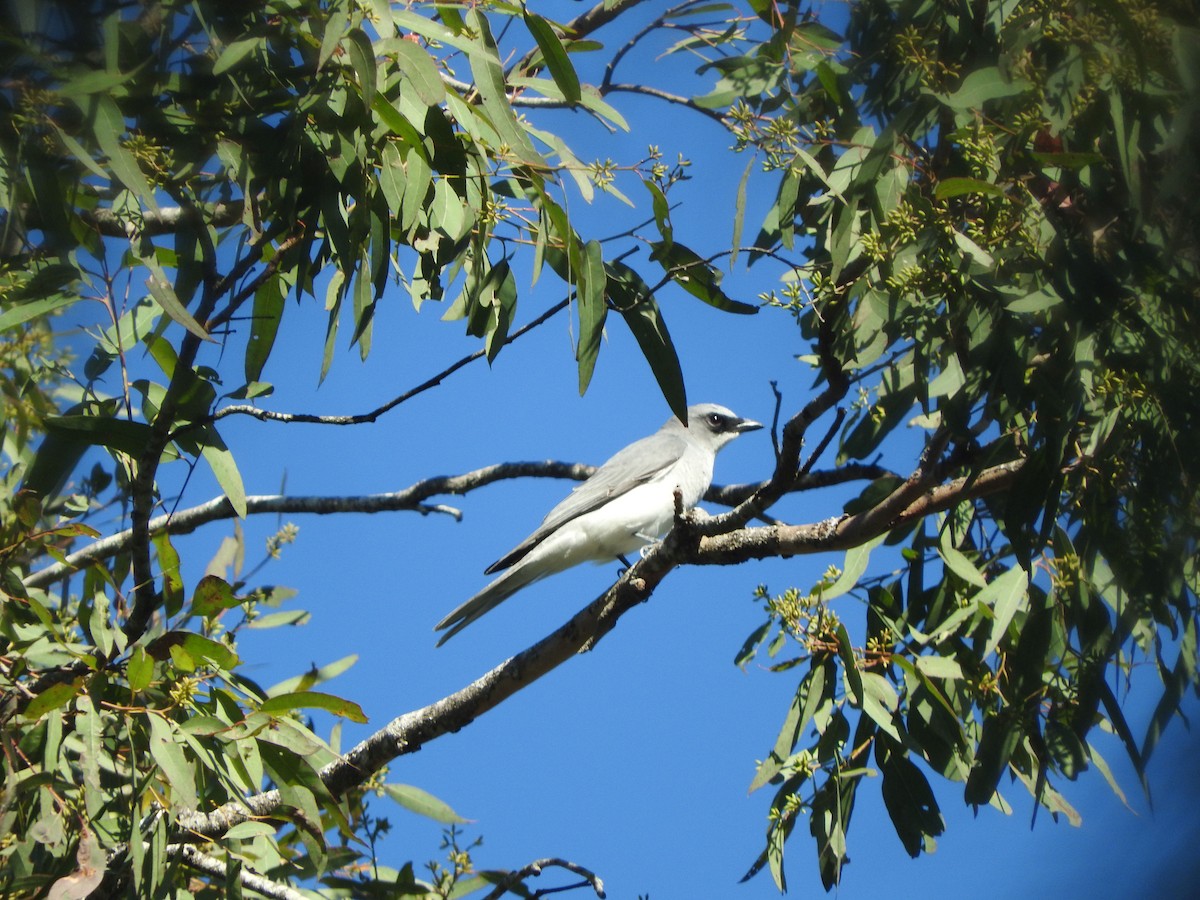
(267, 415)
(511, 880)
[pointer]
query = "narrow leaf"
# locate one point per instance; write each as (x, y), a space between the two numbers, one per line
(235, 52)
(23, 312)
(315, 700)
(423, 803)
(640, 312)
(555, 56)
(1005, 596)
(739, 213)
(164, 296)
(362, 57)
(170, 758)
(590, 293)
(109, 126)
(224, 469)
(489, 79)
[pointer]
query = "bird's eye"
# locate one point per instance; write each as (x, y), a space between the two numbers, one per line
(716, 420)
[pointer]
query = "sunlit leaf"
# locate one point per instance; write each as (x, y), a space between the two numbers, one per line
(314, 700)
(555, 56)
(423, 803)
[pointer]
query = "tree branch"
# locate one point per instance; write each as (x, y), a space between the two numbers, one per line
(787, 463)
(410, 499)
(659, 94)
(249, 879)
(265, 415)
(511, 880)
(411, 731)
(149, 222)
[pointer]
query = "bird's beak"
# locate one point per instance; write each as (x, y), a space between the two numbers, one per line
(746, 425)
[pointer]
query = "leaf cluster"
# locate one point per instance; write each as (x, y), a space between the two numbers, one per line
(996, 252)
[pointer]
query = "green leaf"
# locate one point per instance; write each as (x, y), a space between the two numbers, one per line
(425, 804)
(192, 650)
(362, 57)
(1065, 748)
(117, 434)
(555, 56)
(335, 29)
(299, 788)
(739, 213)
(313, 676)
(880, 702)
(20, 313)
(169, 566)
(633, 300)
(235, 52)
(224, 469)
(245, 831)
(139, 669)
(750, 645)
(845, 651)
(981, 86)
(696, 276)
(54, 697)
(315, 700)
(169, 756)
(1068, 160)
(662, 212)
(420, 71)
(1005, 595)
(957, 187)
(264, 326)
(90, 730)
(213, 595)
(109, 125)
(909, 799)
(957, 563)
(592, 101)
(591, 282)
(164, 296)
(277, 619)
(489, 79)
(857, 559)
(814, 690)
(1001, 734)
(395, 122)
(939, 667)
(80, 153)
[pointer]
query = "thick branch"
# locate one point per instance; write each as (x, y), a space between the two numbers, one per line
(849, 531)
(151, 222)
(410, 499)
(249, 879)
(413, 498)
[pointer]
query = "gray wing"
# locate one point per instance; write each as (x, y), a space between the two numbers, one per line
(640, 462)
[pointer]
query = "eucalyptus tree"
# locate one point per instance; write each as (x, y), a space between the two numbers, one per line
(983, 215)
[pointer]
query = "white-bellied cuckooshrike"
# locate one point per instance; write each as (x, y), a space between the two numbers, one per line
(627, 503)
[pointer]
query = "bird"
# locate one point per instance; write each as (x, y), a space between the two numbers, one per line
(626, 504)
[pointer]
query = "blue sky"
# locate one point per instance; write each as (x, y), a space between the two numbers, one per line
(633, 760)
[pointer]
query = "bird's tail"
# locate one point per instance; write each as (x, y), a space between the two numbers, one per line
(491, 596)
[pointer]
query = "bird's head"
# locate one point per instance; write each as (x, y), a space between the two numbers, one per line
(716, 425)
